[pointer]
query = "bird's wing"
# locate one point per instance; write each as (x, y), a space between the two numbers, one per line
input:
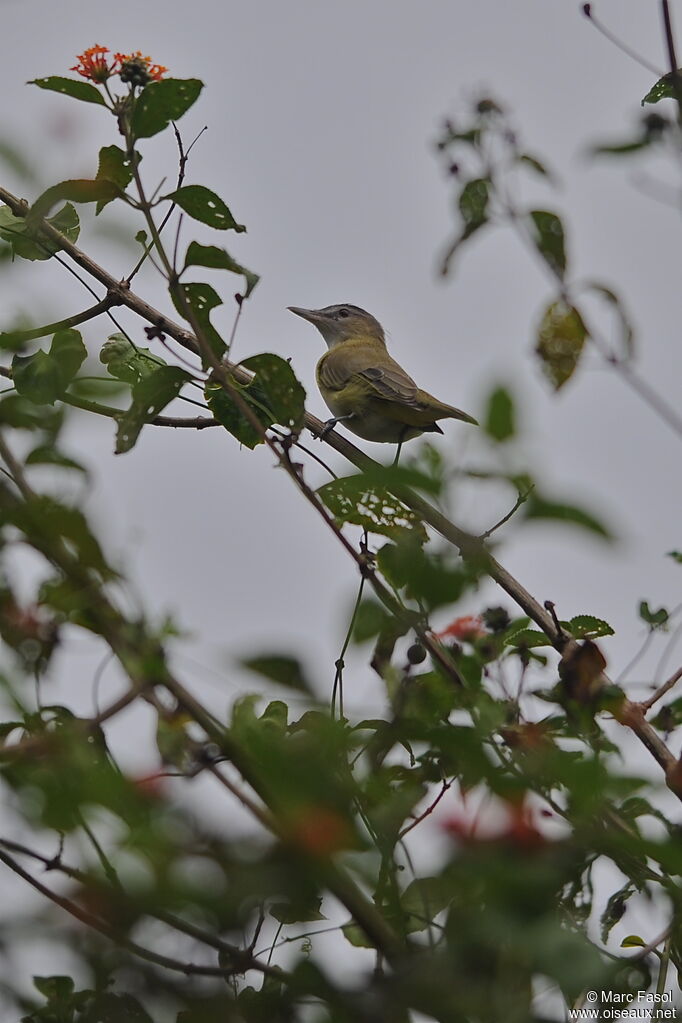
(389, 381)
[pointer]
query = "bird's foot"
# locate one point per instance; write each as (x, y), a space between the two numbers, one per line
(327, 428)
(330, 424)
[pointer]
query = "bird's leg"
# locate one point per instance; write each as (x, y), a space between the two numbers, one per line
(331, 423)
(400, 446)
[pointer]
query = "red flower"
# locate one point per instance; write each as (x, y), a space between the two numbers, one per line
(468, 627)
(93, 64)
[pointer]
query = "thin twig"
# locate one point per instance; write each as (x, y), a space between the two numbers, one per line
(662, 690)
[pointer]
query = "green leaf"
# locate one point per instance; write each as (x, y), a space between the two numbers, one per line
(423, 899)
(500, 417)
(124, 361)
(159, 103)
(633, 941)
(589, 627)
(560, 342)
(151, 394)
(299, 910)
(664, 88)
(371, 619)
(355, 935)
(536, 165)
(226, 412)
(427, 576)
(622, 148)
(656, 619)
(547, 232)
(66, 522)
(284, 394)
(113, 166)
(199, 302)
(538, 507)
(274, 395)
(29, 241)
(204, 205)
(669, 716)
(529, 638)
(23, 414)
(473, 207)
(45, 377)
(46, 454)
(353, 499)
(218, 259)
(78, 190)
(286, 671)
(627, 334)
(56, 989)
(676, 556)
(71, 87)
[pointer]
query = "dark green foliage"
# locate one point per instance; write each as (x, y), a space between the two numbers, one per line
(26, 238)
(286, 671)
(204, 205)
(150, 396)
(548, 234)
(43, 378)
(219, 259)
(274, 396)
(159, 103)
(70, 87)
(500, 415)
(538, 507)
(195, 302)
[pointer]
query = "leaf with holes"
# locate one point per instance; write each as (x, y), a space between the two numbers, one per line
(159, 103)
(284, 393)
(150, 395)
(204, 205)
(666, 87)
(71, 87)
(352, 500)
(589, 627)
(560, 341)
(195, 304)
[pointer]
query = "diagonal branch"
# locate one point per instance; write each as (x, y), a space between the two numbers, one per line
(470, 546)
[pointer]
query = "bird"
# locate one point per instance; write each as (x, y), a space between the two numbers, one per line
(366, 389)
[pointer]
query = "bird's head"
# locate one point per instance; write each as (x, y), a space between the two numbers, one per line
(338, 323)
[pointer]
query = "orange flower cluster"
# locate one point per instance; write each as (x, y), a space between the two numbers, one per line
(97, 67)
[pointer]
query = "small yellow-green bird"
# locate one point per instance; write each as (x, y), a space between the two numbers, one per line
(364, 387)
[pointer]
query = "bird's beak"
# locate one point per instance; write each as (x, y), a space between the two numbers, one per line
(312, 315)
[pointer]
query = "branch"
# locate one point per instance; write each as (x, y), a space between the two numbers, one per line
(468, 545)
(241, 957)
(662, 690)
(90, 920)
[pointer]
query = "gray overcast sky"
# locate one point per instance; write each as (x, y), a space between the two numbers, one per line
(321, 120)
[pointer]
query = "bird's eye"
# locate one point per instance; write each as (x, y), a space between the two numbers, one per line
(343, 314)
